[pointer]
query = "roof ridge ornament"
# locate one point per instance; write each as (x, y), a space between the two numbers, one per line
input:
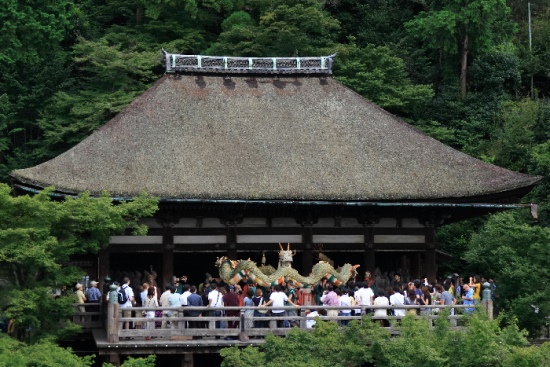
(177, 63)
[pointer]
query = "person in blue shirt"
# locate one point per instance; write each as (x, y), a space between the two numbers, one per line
(468, 298)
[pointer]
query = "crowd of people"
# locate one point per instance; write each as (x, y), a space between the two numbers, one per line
(353, 299)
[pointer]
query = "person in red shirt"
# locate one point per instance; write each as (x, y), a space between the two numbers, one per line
(231, 299)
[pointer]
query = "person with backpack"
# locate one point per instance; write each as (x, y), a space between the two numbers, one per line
(126, 299)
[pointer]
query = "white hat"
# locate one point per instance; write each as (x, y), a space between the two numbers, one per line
(93, 282)
(78, 286)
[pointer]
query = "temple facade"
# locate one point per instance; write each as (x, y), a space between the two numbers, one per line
(245, 153)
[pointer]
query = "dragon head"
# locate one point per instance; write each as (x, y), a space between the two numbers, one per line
(220, 261)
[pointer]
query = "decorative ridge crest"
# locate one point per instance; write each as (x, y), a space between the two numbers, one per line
(175, 63)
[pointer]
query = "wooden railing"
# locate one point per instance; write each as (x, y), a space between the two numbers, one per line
(89, 315)
(182, 327)
(250, 65)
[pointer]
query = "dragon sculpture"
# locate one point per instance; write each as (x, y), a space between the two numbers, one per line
(233, 271)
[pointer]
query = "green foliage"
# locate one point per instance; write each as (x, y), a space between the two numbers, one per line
(514, 252)
(326, 346)
(42, 354)
(377, 74)
(515, 139)
(113, 76)
(458, 29)
(488, 343)
(38, 236)
(373, 22)
(301, 28)
(45, 353)
(33, 63)
(148, 361)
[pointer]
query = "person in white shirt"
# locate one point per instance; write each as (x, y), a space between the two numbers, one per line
(397, 299)
(130, 301)
(278, 299)
(183, 299)
(364, 296)
(381, 300)
(163, 302)
(345, 300)
(185, 294)
(215, 299)
(311, 319)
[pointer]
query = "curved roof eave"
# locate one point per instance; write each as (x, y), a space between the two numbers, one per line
(250, 137)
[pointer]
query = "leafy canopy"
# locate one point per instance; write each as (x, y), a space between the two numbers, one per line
(38, 237)
(489, 343)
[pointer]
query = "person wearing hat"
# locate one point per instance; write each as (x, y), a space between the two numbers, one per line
(80, 298)
(93, 294)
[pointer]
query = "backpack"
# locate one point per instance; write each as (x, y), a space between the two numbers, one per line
(122, 296)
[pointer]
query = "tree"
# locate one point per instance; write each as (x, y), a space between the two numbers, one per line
(110, 76)
(515, 253)
(377, 74)
(287, 28)
(34, 36)
(38, 237)
(462, 28)
(483, 342)
(47, 354)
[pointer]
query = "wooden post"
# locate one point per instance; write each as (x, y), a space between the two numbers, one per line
(232, 241)
(103, 268)
(430, 262)
(231, 221)
(369, 259)
(112, 322)
(307, 241)
(187, 360)
(114, 359)
(487, 299)
(303, 321)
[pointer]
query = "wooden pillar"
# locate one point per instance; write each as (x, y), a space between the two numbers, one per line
(430, 262)
(112, 322)
(232, 242)
(167, 254)
(307, 241)
(113, 358)
(187, 360)
(231, 221)
(167, 220)
(368, 221)
(103, 268)
(415, 265)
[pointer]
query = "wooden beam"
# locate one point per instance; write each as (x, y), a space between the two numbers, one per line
(286, 231)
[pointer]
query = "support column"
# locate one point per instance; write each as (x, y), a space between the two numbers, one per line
(368, 221)
(416, 265)
(232, 242)
(113, 359)
(430, 263)
(231, 221)
(307, 240)
(167, 220)
(103, 269)
(167, 254)
(187, 360)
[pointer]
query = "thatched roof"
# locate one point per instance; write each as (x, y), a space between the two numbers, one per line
(253, 137)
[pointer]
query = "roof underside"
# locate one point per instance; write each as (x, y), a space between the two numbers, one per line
(250, 137)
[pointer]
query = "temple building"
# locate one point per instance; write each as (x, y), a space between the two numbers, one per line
(245, 153)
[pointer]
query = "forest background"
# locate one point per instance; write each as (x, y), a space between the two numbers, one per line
(462, 71)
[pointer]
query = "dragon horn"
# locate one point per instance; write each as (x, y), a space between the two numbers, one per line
(281, 246)
(288, 246)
